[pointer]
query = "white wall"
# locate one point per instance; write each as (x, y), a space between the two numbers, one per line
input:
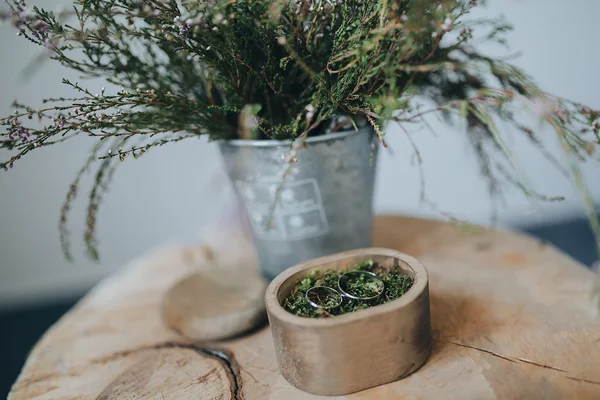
(172, 194)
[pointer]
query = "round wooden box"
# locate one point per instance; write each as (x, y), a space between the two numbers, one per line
(355, 351)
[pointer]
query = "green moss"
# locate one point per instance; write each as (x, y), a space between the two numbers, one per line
(396, 283)
(363, 286)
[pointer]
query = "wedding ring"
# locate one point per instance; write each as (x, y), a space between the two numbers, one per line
(323, 297)
(369, 279)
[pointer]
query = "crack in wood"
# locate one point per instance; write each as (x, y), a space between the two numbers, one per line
(583, 380)
(523, 360)
(478, 349)
(541, 365)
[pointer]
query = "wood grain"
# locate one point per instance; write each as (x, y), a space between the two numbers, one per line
(511, 319)
(215, 304)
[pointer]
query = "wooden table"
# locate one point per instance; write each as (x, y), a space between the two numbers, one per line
(512, 319)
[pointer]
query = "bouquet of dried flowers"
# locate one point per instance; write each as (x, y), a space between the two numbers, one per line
(278, 69)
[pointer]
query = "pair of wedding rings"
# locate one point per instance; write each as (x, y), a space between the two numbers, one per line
(327, 298)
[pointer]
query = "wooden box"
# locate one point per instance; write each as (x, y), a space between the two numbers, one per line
(358, 350)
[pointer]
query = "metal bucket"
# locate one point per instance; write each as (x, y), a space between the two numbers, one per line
(325, 202)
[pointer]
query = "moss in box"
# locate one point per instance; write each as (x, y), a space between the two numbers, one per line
(396, 283)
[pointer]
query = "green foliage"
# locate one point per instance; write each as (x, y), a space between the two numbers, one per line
(362, 286)
(279, 69)
(396, 283)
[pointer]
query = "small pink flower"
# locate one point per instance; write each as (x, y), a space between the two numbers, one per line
(543, 107)
(50, 44)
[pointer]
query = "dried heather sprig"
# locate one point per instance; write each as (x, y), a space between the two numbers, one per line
(249, 68)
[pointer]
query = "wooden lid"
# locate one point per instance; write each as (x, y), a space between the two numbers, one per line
(215, 304)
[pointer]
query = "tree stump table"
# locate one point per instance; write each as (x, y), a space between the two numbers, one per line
(511, 318)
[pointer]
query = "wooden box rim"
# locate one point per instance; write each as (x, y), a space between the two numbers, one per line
(276, 309)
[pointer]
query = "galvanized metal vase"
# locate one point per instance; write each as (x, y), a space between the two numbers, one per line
(324, 205)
